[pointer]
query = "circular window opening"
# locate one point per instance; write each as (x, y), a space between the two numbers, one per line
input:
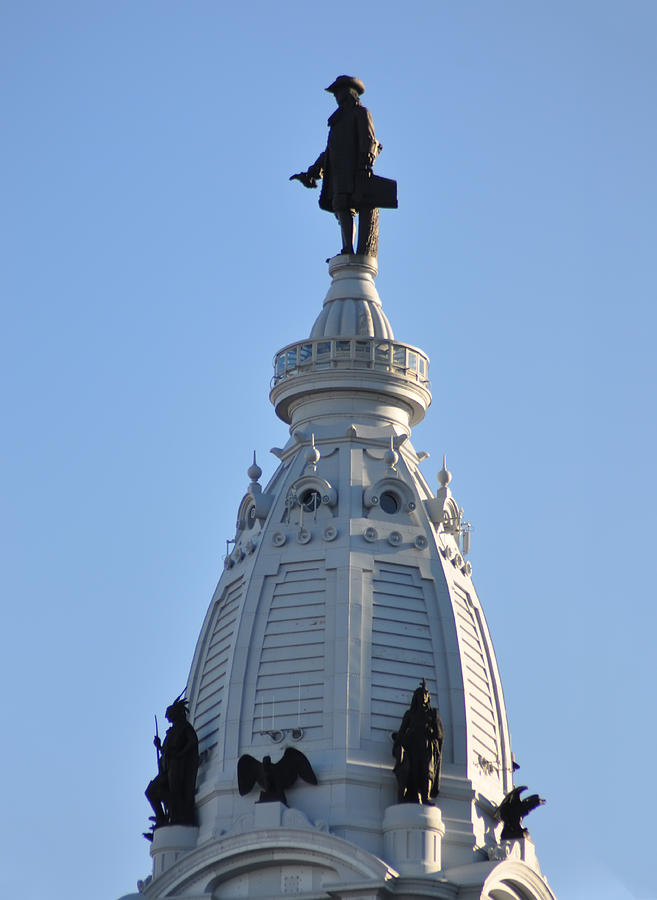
(250, 517)
(389, 502)
(310, 500)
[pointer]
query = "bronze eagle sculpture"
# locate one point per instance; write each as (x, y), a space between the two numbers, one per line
(273, 778)
(512, 809)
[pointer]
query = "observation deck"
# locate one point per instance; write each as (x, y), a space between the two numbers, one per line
(352, 354)
(308, 356)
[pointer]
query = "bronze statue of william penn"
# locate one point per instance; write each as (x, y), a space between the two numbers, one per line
(345, 167)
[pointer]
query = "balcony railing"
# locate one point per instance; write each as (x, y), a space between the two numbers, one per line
(378, 354)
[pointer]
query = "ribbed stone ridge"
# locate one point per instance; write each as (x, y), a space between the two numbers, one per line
(352, 306)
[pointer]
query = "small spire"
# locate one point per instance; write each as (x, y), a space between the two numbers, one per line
(254, 472)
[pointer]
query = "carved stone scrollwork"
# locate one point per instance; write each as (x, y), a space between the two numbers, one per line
(253, 507)
(450, 518)
(237, 555)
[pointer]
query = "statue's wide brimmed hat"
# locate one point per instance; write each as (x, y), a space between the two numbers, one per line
(346, 81)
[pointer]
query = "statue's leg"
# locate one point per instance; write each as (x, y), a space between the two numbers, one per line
(368, 232)
(155, 797)
(347, 220)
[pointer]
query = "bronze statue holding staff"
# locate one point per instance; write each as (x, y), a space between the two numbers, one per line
(171, 792)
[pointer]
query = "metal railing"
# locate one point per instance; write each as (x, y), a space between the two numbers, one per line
(378, 354)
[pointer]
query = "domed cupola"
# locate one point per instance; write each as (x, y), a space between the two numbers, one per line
(345, 597)
(351, 361)
(352, 305)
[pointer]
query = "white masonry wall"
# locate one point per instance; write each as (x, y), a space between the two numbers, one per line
(326, 622)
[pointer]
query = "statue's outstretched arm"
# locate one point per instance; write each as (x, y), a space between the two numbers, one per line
(309, 177)
(317, 168)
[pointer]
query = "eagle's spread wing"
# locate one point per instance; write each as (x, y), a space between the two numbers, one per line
(249, 771)
(530, 803)
(508, 806)
(294, 764)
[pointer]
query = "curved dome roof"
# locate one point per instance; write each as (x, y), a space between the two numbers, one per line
(352, 306)
(352, 317)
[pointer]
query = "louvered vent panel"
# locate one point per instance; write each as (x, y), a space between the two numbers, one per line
(290, 685)
(476, 674)
(207, 709)
(402, 652)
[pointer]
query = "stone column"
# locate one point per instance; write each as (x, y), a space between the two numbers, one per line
(412, 838)
(169, 843)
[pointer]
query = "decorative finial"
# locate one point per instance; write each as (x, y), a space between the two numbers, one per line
(391, 457)
(312, 453)
(444, 476)
(254, 471)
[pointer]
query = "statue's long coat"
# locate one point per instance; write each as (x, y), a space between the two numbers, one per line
(418, 751)
(351, 143)
(180, 766)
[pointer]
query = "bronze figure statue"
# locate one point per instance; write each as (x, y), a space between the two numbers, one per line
(417, 749)
(514, 808)
(345, 167)
(273, 778)
(171, 792)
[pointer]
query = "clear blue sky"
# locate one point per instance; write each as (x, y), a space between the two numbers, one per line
(154, 258)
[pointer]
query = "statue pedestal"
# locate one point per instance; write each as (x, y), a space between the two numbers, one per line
(169, 843)
(269, 815)
(516, 848)
(412, 838)
(353, 276)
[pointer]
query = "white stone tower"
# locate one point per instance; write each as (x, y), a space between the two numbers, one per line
(346, 586)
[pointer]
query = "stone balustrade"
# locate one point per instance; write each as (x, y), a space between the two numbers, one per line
(308, 356)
